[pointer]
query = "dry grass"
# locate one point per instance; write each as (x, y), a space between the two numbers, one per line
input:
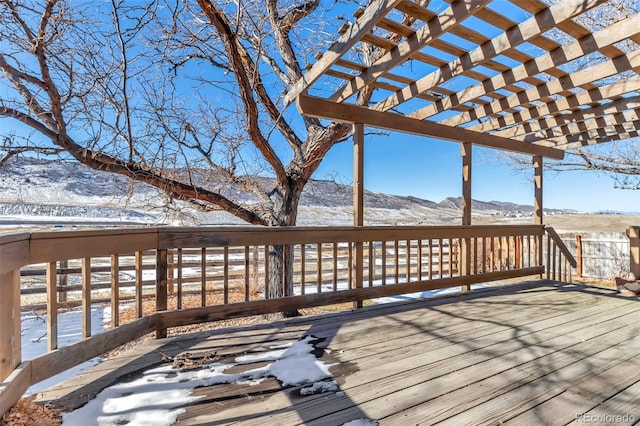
(27, 413)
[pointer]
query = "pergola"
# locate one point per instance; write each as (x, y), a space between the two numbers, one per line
(536, 82)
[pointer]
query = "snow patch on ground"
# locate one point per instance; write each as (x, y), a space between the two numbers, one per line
(158, 396)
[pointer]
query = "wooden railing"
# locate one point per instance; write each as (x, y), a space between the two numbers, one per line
(227, 271)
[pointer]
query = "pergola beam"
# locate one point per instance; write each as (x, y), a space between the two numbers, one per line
(317, 107)
(587, 76)
(533, 27)
(434, 28)
(542, 126)
(570, 103)
(544, 63)
(376, 10)
(601, 122)
(582, 142)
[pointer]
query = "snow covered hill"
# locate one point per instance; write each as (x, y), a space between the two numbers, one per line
(39, 192)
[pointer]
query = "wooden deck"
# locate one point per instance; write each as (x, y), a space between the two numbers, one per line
(536, 353)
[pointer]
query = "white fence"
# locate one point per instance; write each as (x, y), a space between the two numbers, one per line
(602, 255)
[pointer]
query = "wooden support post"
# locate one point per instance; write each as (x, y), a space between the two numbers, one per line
(162, 271)
(358, 203)
(466, 153)
(538, 210)
(10, 340)
(634, 250)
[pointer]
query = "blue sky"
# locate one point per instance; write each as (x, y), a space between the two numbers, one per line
(430, 169)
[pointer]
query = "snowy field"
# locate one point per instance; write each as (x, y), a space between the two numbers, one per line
(34, 339)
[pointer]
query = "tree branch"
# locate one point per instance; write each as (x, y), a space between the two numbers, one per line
(239, 61)
(101, 161)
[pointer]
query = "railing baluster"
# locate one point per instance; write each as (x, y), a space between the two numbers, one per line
(138, 271)
(179, 254)
(86, 297)
(266, 271)
(162, 270)
(226, 275)
(553, 259)
(484, 255)
(408, 258)
(319, 268)
(171, 271)
(52, 306)
(450, 258)
(492, 254)
(115, 290)
(371, 263)
(509, 247)
(548, 257)
(303, 268)
(430, 258)
(335, 266)
(384, 262)
(203, 275)
(247, 281)
(396, 261)
(350, 265)
(419, 261)
(440, 258)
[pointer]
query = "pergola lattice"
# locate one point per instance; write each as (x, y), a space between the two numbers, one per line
(536, 102)
(507, 84)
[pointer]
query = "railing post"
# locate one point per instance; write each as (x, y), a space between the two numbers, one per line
(162, 270)
(10, 340)
(634, 250)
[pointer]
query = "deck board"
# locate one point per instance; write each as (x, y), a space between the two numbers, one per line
(536, 353)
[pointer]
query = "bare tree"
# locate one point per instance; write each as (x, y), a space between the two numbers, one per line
(619, 160)
(184, 96)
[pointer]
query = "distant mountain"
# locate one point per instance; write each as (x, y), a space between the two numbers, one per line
(501, 206)
(34, 190)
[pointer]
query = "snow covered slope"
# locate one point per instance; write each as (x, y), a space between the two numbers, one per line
(43, 192)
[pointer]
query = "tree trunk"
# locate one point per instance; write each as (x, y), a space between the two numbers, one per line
(280, 271)
(280, 280)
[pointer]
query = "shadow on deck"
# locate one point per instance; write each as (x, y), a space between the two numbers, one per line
(535, 353)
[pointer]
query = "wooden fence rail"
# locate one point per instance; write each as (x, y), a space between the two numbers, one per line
(167, 265)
